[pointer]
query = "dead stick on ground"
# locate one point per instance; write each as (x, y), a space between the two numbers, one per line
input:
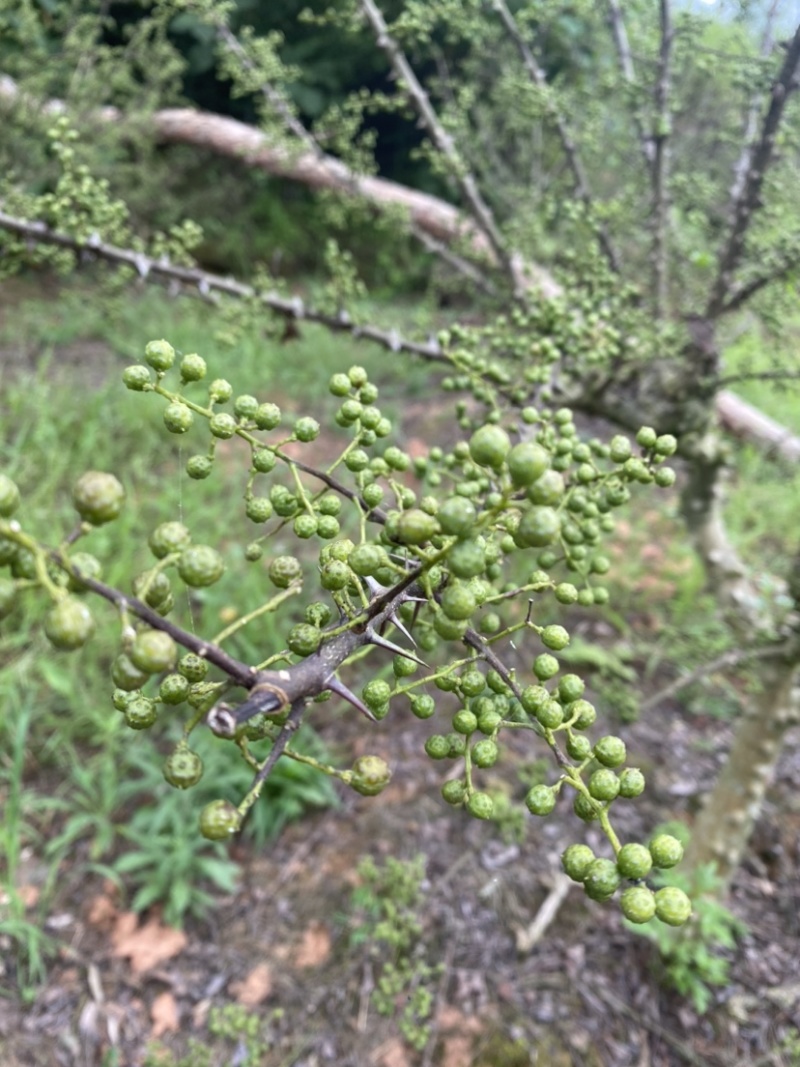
(529, 936)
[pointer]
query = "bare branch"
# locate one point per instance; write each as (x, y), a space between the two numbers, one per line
(740, 294)
(661, 166)
(629, 74)
(206, 284)
(749, 200)
(579, 178)
(410, 84)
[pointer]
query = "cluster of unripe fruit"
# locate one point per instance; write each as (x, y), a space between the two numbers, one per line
(450, 558)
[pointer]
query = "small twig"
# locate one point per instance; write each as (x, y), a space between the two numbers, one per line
(530, 935)
(727, 659)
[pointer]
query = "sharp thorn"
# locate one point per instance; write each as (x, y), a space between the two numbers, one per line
(393, 619)
(375, 638)
(341, 690)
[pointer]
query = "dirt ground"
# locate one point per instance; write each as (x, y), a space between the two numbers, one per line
(583, 990)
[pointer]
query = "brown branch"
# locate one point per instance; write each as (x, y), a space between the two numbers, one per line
(661, 166)
(579, 179)
(749, 199)
(739, 295)
(411, 86)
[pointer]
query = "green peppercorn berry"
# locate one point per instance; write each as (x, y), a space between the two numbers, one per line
(527, 461)
(200, 566)
(193, 667)
(458, 601)
(335, 576)
(199, 694)
(546, 491)
(304, 639)
(576, 861)
(183, 768)
(305, 526)
(457, 516)
(258, 508)
(199, 467)
(69, 624)
(666, 850)
(395, 458)
(489, 446)
(339, 385)
(465, 722)
(136, 378)
(23, 564)
(376, 692)
(358, 376)
(467, 559)
(86, 566)
(178, 418)
(220, 391)
(673, 906)
(222, 425)
(367, 559)
(566, 593)
(581, 714)
(454, 791)
(160, 355)
(555, 637)
(167, 538)
(634, 861)
(620, 449)
(267, 416)
(437, 747)
(423, 706)
(403, 667)
(545, 667)
(602, 880)
(9, 496)
(449, 629)
(306, 429)
(245, 407)
(485, 753)
(372, 495)
(604, 785)
(218, 820)
(125, 675)
(472, 683)
(490, 623)
(666, 445)
(371, 775)
(121, 699)
(579, 747)
(264, 460)
(570, 687)
(533, 698)
(610, 751)
(488, 722)
(664, 477)
(414, 527)
(174, 689)
(638, 904)
(631, 782)
(140, 713)
(284, 570)
(539, 526)
(481, 806)
(193, 367)
(284, 501)
(153, 651)
(550, 714)
(98, 497)
(584, 808)
(540, 800)
(646, 437)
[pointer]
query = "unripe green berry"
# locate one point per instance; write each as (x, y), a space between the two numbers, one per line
(178, 418)
(423, 706)
(358, 376)
(666, 850)
(545, 667)
(258, 508)
(220, 391)
(69, 624)
(489, 446)
(664, 477)
(582, 714)
(527, 461)
(454, 791)
(340, 385)
(140, 713)
(485, 753)
(199, 467)
(646, 437)
(634, 861)
(576, 861)
(540, 800)
(673, 906)
(604, 785)
(183, 768)
(98, 497)
(264, 460)
(304, 639)
(570, 687)
(9, 496)
(610, 751)
(550, 714)
(174, 689)
(631, 782)
(268, 416)
(245, 407)
(284, 570)
(136, 377)
(555, 637)
(458, 601)
(193, 367)
(376, 692)
(200, 566)
(538, 527)
(638, 904)
(566, 593)
(481, 806)
(218, 820)
(306, 429)
(620, 449)
(167, 538)
(602, 880)
(125, 675)
(371, 775)
(222, 425)
(160, 355)
(193, 667)
(414, 527)
(153, 651)
(87, 566)
(437, 747)
(457, 516)
(579, 747)
(305, 526)
(666, 445)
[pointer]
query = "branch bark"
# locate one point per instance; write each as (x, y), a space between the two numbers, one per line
(661, 167)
